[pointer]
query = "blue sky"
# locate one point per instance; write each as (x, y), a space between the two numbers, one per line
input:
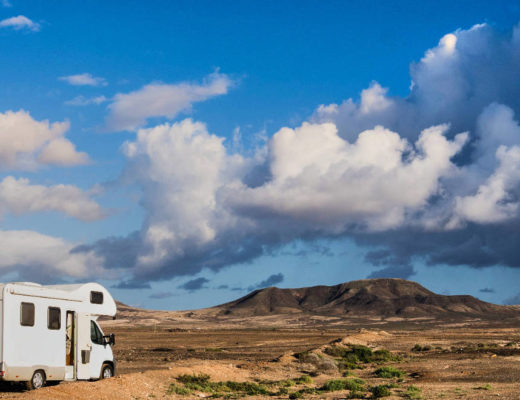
(271, 185)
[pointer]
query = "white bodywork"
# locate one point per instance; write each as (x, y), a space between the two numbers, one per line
(65, 351)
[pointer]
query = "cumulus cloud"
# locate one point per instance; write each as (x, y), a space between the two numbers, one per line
(129, 111)
(18, 196)
(85, 79)
(494, 200)
(38, 257)
(433, 176)
(26, 143)
(19, 22)
(86, 101)
(453, 82)
(200, 213)
(270, 281)
(322, 180)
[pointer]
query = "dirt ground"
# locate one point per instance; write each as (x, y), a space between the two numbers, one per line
(458, 362)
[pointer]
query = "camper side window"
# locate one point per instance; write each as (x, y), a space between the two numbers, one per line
(27, 314)
(54, 318)
(96, 297)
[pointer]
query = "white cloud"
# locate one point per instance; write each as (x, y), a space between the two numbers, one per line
(36, 256)
(6, 3)
(374, 99)
(181, 166)
(27, 144)
(130, 111)
(452, 83)
(18, 196)
(385, 170)
(494, 200)
(61, 152)
(84, 101)
(84, 79)
(20, 22)
(195, 197)
(321, 180)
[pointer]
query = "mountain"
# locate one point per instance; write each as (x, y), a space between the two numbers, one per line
(369, 297)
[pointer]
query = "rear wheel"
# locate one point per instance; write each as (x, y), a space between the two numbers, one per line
(37, 380)
(107, 371)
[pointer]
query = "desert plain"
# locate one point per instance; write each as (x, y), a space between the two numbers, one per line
(225, 352)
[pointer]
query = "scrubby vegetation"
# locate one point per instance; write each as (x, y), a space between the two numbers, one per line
(413, 393)
(201, 383)
(175, 389)
(353, 384)
(380, 391)
(303, 379)
(356, 356)
(419, 347)
(388, 372)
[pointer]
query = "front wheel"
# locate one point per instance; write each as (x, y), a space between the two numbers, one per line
(107, 371)
(37, 380)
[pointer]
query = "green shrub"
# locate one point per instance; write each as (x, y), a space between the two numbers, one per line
(380, 391)
(348, 365)
(353, 384)
(388, 372)
(353, 355)
(485, 387)
(249, 388)
(201, 383)
(412, 393)
(296, 395)
(174, 389)
(213, 350)
(418, 347)
(196, 379)
(303, 379)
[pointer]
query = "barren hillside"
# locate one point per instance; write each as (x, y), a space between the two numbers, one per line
(374, 297)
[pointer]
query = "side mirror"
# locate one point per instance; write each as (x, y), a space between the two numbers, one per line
(109, 339)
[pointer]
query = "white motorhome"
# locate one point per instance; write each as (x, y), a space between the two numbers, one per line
(50, 333)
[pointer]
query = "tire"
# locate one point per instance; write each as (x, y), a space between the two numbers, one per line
(37, 381)
(107, 371)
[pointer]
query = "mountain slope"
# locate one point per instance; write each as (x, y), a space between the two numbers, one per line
(369, 297)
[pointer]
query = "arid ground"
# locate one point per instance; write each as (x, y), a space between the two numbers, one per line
(424, 346)
(472, 361)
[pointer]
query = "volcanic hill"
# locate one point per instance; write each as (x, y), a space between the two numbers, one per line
(369, 297)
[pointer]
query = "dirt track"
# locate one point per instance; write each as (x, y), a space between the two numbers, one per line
(462, 363)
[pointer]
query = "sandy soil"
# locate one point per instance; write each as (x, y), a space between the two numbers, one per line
(466, 361)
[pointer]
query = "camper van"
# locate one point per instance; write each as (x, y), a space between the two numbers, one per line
(50, 333)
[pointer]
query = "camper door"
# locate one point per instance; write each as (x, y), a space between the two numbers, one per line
(83, 346)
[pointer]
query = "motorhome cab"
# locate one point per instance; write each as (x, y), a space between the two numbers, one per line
(50, 333)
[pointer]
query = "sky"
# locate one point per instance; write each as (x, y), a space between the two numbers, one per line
(186, 153)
